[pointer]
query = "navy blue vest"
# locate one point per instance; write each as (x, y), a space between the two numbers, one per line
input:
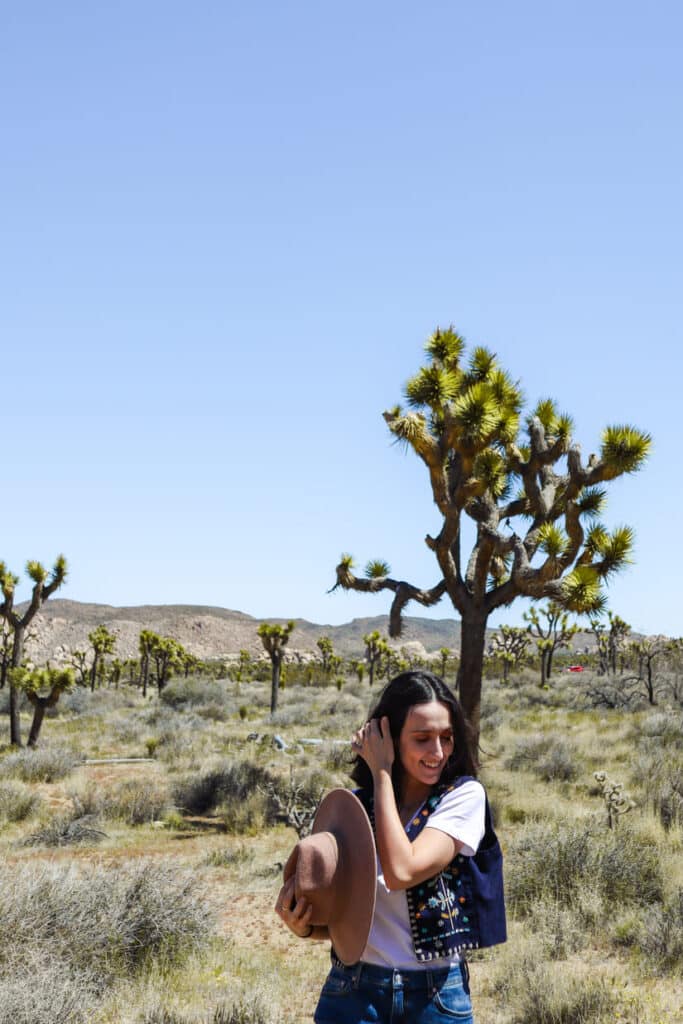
(463, 907)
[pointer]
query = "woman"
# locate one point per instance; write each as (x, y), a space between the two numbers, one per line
(412, 755)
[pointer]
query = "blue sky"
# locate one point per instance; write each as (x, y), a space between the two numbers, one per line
(227, 231)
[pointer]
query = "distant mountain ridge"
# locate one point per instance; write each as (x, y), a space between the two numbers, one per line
(62, 626)
(209, 632)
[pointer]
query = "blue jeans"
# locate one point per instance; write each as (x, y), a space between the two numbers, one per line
(366, 994)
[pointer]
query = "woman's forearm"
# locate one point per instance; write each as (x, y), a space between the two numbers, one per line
(393, 846)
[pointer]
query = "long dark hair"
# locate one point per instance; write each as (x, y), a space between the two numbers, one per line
(395, 701)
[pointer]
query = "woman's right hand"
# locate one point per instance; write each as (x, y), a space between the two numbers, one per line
(295, 913)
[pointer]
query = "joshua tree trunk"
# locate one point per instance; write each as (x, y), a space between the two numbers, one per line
(275, 681)
(472, 644)
(40, 706)
(17, 655)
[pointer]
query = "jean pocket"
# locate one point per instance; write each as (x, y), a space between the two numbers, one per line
(454, 1003)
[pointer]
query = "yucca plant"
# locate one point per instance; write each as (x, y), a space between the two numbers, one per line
(535, 503)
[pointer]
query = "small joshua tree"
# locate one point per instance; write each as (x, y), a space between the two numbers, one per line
(274, 639)
(103, 643)
(43, 687)
(509, 647)
(324, 645)
(375, 649)
(45, 583)
(551, 635)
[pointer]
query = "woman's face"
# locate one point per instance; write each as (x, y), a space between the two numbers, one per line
(426, 742)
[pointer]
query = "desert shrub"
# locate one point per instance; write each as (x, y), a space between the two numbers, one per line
(661, 936)
(78, 701)
(106, 921)
(661, 776)
(548, 757)
(558, 763)
(557, 862)
(538, 993)
(665, 726)
(247, 816)
(136, 801)
(17, 801)
(43, 765)
(181, 693)
(66, 830)
(41, 990)
(229, 856)
(231, 781)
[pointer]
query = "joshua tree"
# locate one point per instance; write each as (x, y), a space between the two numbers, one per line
(168, 655)
(444, 654)
(509, 647)
(648, 650)
(324, 645)
(375, 648)
(610, 642)
(274, 639)
(358, 668)
(44, 585)
(551, 635)
(533, 500)
(79, 663)
(145, 645)
(103, 642)
(43, 687)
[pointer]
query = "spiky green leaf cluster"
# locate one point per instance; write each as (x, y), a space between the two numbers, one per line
(36, 572)
(591, 502)
(377, 569)
(433, 386)
(624, 449)
(489, 467)
(445, 347)
(557, 426)
(616, 550)
(552, 540)
(581, 591)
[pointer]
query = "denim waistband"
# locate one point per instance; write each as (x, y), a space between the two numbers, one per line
(396, 977)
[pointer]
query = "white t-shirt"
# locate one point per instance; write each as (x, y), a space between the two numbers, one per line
(461, 814)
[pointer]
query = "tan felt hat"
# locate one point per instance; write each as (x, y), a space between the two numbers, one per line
(335, 869)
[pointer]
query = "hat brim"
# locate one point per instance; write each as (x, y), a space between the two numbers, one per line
(341, 813)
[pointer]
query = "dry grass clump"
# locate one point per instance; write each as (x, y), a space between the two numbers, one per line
(136, 801)
(564, 862)
(43, 990)
(47, 764)
(548, 757)
(181, 693)
(105, 922)
(535, 992)
(660, 937)
(17, 802)
(660, 774)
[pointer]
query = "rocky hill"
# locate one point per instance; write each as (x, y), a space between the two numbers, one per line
(63, 626)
